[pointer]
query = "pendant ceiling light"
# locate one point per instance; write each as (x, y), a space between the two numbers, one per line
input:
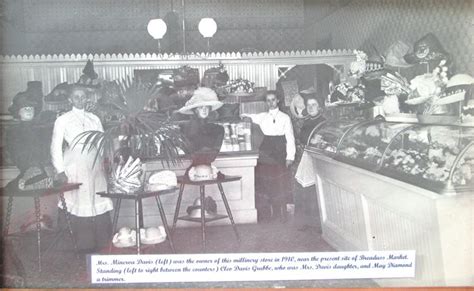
(207, 27)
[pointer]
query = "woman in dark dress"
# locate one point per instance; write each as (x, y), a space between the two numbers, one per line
(306, 202)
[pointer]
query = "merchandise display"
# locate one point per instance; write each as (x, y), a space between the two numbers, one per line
(438, 158)
(366, 143)
(327, 135)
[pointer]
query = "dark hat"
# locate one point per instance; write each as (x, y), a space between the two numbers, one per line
(210, 208)
(21, 100)
(428, 48)
(89, 70)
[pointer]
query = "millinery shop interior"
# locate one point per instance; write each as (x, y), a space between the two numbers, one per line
(164, 127)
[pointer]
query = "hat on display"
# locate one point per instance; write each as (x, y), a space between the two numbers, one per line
(297, 106)
(210, 208)
(456, 89)
(22, 100)
(392, 83)
(201, 97)
(161, 180)
(58, 100)
(428, 48)
(89, 77)
(89, 70)
(202, 173)
(152, 235)
(395, 53)
(124, 238)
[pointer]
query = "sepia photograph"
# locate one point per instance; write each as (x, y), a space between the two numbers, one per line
(237, 144)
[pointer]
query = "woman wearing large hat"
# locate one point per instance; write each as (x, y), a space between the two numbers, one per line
(204, 139)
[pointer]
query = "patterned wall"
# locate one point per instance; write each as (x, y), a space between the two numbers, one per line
(114, 26)
(381, 22)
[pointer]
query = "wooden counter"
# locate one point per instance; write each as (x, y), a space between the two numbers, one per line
(362, 210)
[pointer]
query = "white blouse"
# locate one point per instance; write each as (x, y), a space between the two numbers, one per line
(276, 123)
(66, 128)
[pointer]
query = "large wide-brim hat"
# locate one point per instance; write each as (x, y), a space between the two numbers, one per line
(161, 180)
(152, 235)
(395, 53)
(21, 100)
(428, 48)
(202, 97)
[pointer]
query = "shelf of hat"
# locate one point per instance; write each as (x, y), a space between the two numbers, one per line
(393, 215)
(240, 194)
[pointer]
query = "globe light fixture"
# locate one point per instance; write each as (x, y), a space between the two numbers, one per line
(207, 27)
(157, 29)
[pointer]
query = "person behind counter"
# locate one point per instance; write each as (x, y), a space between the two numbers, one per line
(305, 196)
(204, 139)
(276, 154)
(89, 212)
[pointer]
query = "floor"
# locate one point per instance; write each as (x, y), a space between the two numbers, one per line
(298, 234)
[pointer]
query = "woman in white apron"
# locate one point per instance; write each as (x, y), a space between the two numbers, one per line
(89, 212)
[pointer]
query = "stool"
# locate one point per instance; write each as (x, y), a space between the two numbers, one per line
(184, 180)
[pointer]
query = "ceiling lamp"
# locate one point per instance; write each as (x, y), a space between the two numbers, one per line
(207, 27)
(157, 29)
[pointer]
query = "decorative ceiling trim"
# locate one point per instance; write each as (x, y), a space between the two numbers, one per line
(294, 57)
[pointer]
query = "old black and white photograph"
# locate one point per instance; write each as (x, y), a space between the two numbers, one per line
(237, 144)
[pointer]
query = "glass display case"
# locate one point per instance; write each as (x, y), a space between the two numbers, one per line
(439, 158)
(326, 136)
(426, 156)
(365, 144)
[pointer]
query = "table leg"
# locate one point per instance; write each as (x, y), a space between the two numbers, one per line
(114, 222)
(38, 229)
(165, 222)
(68, 221)
(178, 206)
(137, 224)
(116, 215)
(140, 210)
(229, 212)
(203, 216)
(9, 213)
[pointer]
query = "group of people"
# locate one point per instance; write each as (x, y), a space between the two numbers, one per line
(90, 213)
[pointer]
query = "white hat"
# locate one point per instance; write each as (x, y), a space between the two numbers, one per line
(152, 235)
(124, 238)
(202, 97)
(161, 180)
(202, 173)
(460, 79)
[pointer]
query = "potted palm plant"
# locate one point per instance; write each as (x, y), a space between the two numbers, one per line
(129, 128)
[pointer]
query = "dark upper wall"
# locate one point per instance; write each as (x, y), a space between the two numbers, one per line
(113, 26)
(357, 24)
